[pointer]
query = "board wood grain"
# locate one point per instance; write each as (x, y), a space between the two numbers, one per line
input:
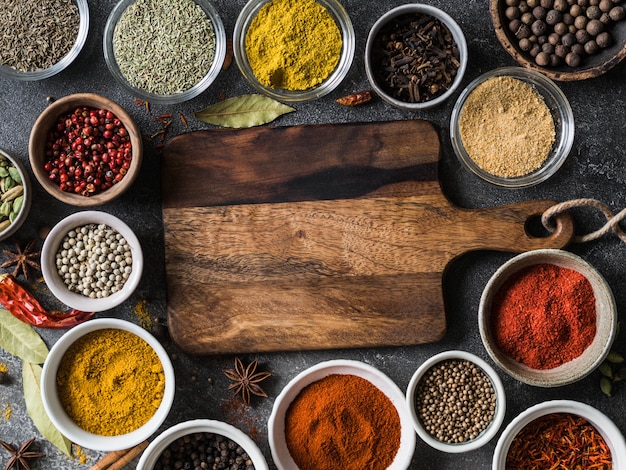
(318, 237)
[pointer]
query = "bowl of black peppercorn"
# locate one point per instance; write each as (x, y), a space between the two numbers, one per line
(566, 40)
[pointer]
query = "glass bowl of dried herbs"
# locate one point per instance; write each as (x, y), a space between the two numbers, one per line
(547, 318)
(467, 390)
(40, 39)
(202, 440)
(294, 51)
(164, 51)
(415, 56)
(513, 127)
(16, 195)
(107, 384)
(560, 433)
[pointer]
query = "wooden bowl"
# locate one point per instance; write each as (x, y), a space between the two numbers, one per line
(39, 135)
(591, 66)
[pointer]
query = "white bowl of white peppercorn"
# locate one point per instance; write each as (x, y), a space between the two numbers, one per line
(177, 443)
(465, 389)
(92, 261)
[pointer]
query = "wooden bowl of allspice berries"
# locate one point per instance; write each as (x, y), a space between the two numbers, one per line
(566, 40)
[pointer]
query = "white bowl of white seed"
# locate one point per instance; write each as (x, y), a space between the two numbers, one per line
(92, 261)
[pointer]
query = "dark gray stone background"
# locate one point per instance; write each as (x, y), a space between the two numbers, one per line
(595, 168)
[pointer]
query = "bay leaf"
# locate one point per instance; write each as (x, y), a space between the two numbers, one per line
(31, 377)
(243, 111)
(20, 339)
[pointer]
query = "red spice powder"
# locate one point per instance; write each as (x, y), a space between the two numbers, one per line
(544, 316)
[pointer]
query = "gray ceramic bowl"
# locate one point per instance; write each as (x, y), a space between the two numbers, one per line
(575, 369)
(27, 197)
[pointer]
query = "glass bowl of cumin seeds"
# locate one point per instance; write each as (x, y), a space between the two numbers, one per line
(40, 39)
(399, 59)
(164, 52)
(513, 127)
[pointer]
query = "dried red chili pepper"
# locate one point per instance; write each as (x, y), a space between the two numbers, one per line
(356, 99)
(25, 307)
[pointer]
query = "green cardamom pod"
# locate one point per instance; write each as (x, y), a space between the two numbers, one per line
(615, 358)
(12, 193)
(606, 386)
(5, 208)
(3, 171)
(15, 174)
(620, 374)
(12, 217)
(606, 370)
(17, 204)
(9, 183)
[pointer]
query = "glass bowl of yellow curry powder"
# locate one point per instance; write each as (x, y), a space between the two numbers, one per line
(107, 384)
(513, 127)
(294, 50)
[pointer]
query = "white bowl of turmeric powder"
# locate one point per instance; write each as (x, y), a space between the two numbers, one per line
(294, 51)
(107, 384)
(513, 127)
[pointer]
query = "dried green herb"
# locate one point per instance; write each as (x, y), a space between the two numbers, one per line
(164, 47)
(36, 35)
(243, 111)
(31, 377)
(20, 339)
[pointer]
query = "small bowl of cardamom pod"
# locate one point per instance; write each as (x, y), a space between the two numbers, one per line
(15, 195)
(147, 55)
(41, 45)
(107, 384)
(289, 63)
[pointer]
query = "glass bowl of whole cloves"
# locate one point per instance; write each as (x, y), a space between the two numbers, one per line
(415, 56)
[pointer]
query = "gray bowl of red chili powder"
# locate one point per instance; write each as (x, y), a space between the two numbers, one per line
(547, 318)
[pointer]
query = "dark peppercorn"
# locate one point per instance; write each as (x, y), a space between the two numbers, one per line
(603, 40)
(617, 13)
(538, 28)
(572, 59)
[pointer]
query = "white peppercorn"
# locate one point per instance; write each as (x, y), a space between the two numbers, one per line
(455, 401)
(84, 260)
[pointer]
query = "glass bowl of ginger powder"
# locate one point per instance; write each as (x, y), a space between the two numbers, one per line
(513, 127)
(294, 64)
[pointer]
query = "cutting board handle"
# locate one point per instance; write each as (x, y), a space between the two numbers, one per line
(507, 228)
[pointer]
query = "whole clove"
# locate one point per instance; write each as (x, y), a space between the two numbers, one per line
(415, 58)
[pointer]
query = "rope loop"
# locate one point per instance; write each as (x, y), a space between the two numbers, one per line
(612, 224)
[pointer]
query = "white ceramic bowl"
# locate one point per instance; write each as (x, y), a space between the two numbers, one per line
(341, 17)
(64, 423)
(276, 423)
(488, 433)
(609, 431)
(409, 9)
(56, 284)
(562, 115)
(27, 198)
(64, 62)
(163, 440)
(606, 322)
(194, 91)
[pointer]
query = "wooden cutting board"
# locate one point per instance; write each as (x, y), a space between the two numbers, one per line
(318, 237)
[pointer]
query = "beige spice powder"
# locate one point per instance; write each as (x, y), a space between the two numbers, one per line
(506, 127)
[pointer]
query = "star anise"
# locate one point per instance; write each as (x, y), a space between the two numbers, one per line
(23, 260)
(246, 380)
(19, 457)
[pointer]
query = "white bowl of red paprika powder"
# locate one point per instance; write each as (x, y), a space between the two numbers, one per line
(347, 401)
(547, 318)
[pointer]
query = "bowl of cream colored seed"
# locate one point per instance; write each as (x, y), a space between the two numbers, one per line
(92, 261)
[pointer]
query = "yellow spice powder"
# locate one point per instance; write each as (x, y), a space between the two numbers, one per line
(110, 382)
(293, 44)
(506, 127)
